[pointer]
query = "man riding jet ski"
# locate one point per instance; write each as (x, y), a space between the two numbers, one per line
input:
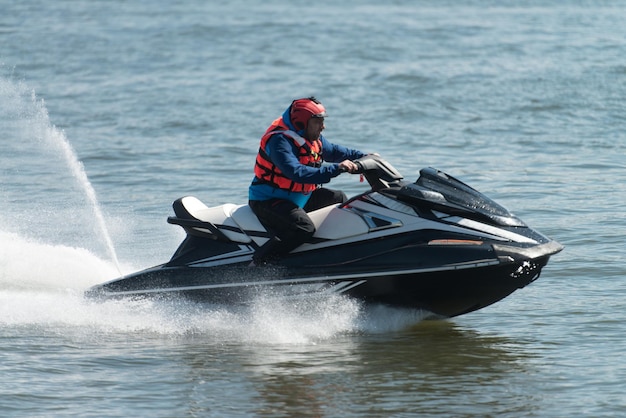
(287, 175)
(435, 244)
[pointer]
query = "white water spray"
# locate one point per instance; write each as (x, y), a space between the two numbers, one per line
(27, 117)
(78, 171)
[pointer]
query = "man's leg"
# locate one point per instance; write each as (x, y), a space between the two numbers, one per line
(290, 223)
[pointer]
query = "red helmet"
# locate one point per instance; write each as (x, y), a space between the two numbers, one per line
(302, 110)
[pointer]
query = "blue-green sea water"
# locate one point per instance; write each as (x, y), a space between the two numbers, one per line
(110, 110)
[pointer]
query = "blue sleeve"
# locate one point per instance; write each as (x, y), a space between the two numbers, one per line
(337, 153)
(282, 152)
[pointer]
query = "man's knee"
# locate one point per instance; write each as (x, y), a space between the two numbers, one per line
(303, 226)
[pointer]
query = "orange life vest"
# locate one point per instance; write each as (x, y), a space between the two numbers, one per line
(309, 153)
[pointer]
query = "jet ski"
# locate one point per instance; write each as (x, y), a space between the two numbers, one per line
(435, 244)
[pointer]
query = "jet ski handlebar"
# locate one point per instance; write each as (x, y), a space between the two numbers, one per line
(378, 172)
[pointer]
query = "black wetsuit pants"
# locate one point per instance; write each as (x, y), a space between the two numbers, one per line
(289, 223)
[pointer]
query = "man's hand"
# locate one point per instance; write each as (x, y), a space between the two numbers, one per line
(348, 166)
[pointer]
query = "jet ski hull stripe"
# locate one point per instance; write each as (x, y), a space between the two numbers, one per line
(286, 281)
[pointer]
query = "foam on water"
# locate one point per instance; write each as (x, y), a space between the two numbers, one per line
(270, 321)
(28, 265)
(42, 285)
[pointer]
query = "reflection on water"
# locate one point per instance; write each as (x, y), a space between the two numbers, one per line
(434, 367)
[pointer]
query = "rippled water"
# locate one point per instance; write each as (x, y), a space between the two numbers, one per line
(147, 101)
